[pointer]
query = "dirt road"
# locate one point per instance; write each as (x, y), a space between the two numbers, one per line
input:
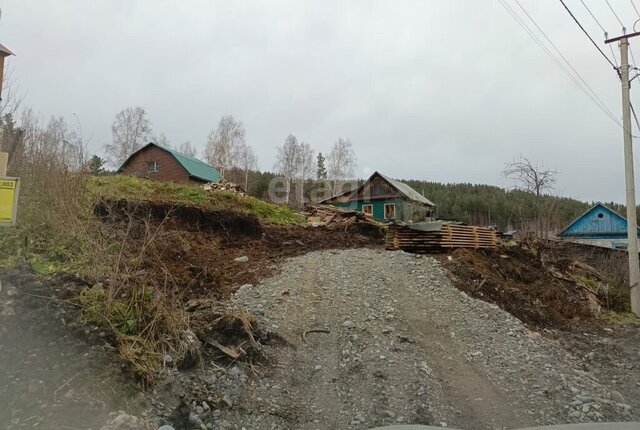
(404, 346)
(391, 341)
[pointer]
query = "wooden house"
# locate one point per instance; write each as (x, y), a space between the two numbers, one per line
(153, 161)
(386, 199)
(598, 226)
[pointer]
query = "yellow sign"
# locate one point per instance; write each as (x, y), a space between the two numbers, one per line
(9, 188)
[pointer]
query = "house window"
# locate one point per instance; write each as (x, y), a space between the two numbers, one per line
(600, 215)
(390, 211)
(367, 209)
(152, 166)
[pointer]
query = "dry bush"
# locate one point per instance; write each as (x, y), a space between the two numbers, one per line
(52, 216)
(140, 301)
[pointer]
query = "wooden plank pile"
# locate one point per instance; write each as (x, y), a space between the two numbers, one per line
(438, 237)
(333, 216)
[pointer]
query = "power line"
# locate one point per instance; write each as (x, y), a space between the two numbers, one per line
(614, 13)
(635, 116)
(533, 36)
(615, 60)
(588, 35)
(563, 57)
(594, 18)
(613, 54)
(635, 8)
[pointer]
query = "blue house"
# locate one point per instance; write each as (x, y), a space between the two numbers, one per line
(599, 226)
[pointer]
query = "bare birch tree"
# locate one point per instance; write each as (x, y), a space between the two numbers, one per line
(341, 163)
(529, 176)
(536, 179)
(131, 129)
(287, 162)
(223, 142)
(162, 140)
(247, 161)
(305, 166)
(188, 149)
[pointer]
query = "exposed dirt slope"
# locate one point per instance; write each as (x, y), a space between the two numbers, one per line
(542, 287)
(196, 248)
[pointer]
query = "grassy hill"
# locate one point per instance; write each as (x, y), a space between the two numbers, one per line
(136, 189)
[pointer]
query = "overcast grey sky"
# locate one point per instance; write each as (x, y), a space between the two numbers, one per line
(440, 90)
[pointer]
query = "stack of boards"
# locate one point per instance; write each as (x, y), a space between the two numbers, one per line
(438, 236)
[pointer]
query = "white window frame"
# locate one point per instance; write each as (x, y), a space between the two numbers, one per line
(385, 210)
(367, 206)
(155, 164)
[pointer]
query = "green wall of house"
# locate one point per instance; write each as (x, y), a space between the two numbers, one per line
(378, 207)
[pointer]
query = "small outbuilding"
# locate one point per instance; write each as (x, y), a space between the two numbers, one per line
(598, 226)
(386, 199)
(156, 162)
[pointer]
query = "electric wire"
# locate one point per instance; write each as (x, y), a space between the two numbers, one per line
(635, 8)
(593, 16)
(634, 115)
(577, 74)
(587, 34)
(614, 13)
(613, 54)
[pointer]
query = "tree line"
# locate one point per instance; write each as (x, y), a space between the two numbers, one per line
(37, 149)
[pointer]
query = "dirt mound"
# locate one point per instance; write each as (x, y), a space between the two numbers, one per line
(203, 263)
(181, 217)
(535, 287)
(196, 249)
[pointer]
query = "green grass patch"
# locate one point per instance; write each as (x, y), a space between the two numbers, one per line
(132, 188)
(620, 318)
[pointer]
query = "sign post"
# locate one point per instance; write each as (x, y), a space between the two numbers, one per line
(9, 190)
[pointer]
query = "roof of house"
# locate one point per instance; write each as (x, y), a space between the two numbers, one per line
(194, 167)
(4, 51)
(597, 220)
(344, 193)
(405, 189)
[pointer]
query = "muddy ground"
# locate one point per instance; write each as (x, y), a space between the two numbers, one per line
(55, 373)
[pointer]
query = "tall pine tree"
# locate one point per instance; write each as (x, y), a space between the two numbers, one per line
(321, 171)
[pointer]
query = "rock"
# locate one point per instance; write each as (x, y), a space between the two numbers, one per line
(123, 421)
(205, 406)
(195, 420)
(243, 259)
(244, 287)
(216, 414)
(616, 396)
(348, 324)
(318, 367)
(227, 400)
(234, 373)
(166, 427)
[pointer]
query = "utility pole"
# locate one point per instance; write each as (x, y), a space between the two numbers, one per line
(632, 222)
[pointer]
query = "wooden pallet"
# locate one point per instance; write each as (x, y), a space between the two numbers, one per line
(449, 236)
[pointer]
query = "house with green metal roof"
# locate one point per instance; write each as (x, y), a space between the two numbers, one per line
(153, 161)
(386, 199)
